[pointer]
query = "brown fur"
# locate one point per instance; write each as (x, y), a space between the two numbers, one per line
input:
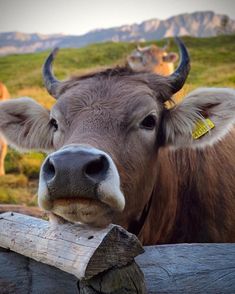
(186, 186)
(182, 195)
(194, 198)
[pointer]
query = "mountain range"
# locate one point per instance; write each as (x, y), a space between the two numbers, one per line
(197, 24)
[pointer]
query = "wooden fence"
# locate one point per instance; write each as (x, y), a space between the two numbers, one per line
(36, 257)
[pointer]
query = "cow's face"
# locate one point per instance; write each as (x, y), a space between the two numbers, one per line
(152, 59)
(104, 133)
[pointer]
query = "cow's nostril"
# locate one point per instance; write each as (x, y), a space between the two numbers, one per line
(48, 170)
(97, 168)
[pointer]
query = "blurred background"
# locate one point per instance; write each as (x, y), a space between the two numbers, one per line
(97, 34)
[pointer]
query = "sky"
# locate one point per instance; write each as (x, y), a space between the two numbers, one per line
(76, 17)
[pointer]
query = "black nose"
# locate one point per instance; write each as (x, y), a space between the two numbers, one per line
(72, 172)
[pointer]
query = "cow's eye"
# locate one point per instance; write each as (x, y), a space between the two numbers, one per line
(54, 124)
(149, 122)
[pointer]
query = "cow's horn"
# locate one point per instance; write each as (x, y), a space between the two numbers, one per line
(51, 83)
(178, 78)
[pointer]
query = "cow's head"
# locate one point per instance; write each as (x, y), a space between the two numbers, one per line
(104, 133)
(152, 59)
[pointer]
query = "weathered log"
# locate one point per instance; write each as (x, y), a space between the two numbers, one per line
(189, 268)
(181, 268)
(89, 254)
(22, 275)
(28, 210)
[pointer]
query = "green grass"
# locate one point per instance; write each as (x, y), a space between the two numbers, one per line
(24, 71)
(212, 64)
(209, 57)
(16, 189)
(27, 164)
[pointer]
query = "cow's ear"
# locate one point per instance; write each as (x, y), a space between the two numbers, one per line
(171, 57)
(25, 124)
(204, 117)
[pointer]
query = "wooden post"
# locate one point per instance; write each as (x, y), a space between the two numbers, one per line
(102, 259)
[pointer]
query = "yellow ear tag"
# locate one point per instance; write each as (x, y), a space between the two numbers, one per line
(202, 127)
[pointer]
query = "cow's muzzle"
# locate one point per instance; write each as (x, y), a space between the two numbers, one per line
(79, 173)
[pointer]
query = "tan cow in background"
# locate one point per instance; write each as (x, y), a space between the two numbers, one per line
(152, 59)
(4, 94)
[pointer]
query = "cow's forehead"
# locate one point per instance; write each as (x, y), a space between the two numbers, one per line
(119, 95)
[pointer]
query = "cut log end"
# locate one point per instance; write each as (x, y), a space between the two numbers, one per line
(124, 280)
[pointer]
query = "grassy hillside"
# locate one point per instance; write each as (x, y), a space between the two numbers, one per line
(212, 64)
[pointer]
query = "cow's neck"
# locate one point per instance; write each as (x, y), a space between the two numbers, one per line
(137, 226)
(160, 218)
(176, 212)
(193, 196)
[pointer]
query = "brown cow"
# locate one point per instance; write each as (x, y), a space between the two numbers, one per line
(152, 59)
(120, 156)
(4, 94)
